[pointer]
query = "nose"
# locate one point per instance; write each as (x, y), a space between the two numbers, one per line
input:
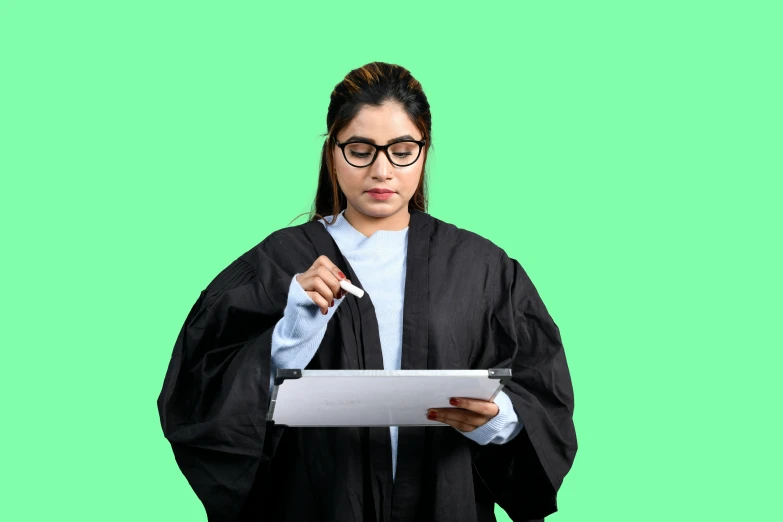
(381, 168)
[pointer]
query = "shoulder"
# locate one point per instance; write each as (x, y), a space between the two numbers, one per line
(285, 248)
(270, 263)
(286, 237)
(454, 239)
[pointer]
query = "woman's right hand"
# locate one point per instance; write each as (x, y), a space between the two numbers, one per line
(322, 283)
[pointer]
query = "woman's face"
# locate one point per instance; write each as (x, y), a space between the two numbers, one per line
(378, 125)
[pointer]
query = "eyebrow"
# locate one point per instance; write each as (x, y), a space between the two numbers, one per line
(370, 140)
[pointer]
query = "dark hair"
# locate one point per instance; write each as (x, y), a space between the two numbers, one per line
(372, 84)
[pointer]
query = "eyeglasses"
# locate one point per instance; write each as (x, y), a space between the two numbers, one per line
(362, 154)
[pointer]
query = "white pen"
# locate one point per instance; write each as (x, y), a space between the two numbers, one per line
(348, 287)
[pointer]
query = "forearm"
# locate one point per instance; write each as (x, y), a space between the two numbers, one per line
(299, 332)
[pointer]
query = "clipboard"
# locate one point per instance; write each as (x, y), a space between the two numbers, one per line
(375, 398)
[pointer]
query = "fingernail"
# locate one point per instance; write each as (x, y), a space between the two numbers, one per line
(432, 415)
(331, 305)
(341, 274)
(454, 402)
(323, 312)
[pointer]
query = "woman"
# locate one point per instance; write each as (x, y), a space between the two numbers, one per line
(446, 299)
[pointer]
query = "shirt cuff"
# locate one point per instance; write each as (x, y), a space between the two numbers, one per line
(501, 428)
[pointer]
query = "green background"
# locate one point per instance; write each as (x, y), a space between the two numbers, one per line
(628, 154)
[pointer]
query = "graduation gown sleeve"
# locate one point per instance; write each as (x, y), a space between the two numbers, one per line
(523, 475)
(213, 404)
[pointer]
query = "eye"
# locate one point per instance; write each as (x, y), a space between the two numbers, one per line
(359, 150)
(404, 150)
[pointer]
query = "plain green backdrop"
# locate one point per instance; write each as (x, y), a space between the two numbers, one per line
(628, 154)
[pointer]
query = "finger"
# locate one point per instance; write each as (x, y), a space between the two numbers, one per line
(487, 408)
(461, 426)
(466, 428)
(307, 282)
(462, 416)
(320, 261)
(322, 288)
(328, 277)
(320, 301)
(338, 274)
(344, 292)
(325, 261)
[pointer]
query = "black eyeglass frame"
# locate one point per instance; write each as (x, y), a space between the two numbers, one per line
(383, 148)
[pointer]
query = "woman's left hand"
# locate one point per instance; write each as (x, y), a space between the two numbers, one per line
(467, 415)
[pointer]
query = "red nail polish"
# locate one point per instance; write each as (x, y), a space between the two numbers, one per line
(341, 274)
(432, 415)
(454, 402)
(331, 305)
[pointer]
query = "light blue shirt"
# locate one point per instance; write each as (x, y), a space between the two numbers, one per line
(379, 262)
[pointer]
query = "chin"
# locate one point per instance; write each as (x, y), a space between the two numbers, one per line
(378, 211)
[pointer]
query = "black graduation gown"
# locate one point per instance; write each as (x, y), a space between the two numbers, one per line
(467, 305)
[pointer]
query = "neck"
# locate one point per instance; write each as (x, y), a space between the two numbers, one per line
(368, 225)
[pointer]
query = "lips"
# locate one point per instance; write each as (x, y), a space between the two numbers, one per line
(380, 194)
